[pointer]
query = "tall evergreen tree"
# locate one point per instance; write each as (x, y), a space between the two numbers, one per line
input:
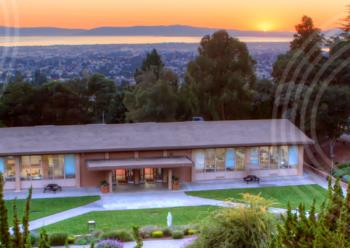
(17, 235)
(25, 220)
(221, 78)
(155, 96)
(304, 58)
(4, 228)
(153, 63)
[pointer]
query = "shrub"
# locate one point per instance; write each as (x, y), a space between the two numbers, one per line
(34, 238)
(96, 234)
(167, 232)
(71, 239)
(191, 232)
(58, 239)
(178, 235)
(109, 243)
(82, 241)
(157, 234)
(137, 237)
(121, 235)
(248, 226)
(146, 231)
(186, 228)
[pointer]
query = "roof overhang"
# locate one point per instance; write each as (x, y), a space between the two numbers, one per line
(170, 162)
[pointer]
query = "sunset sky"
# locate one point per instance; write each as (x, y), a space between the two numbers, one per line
(268, 15)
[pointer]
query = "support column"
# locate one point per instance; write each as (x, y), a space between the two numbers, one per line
(170, 179)
(77, 170)
(110, 181)
(300, 160)
(18, 176)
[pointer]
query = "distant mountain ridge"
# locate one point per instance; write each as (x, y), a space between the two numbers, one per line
(172, 30)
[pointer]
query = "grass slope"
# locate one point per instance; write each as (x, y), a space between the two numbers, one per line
(48, 206)
(125, 219)
(280, 195)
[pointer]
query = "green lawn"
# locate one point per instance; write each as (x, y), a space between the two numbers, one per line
(48, 206)
(280, 195)
(125, 219)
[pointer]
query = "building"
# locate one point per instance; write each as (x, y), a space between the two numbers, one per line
(84, 155)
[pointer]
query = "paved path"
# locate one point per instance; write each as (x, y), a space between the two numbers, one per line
(166, 199)
(168, 243)
(139, 200)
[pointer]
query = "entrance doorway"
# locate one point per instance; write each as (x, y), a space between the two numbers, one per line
(139, 176)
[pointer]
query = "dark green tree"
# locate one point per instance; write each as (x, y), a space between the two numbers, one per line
(221, 78)
(154, 97)
(149, 101)
(57, 104)
(17, 105)
(328, 230)
(17, 239)
(98, 99)
(4, 228)
(153, 62)
(137, 237)
(304, 58)
(25, 220)
(44, 239)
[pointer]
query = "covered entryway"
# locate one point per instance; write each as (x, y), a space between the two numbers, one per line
(123, 172)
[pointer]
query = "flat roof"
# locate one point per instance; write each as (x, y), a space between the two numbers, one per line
(148, 136)
(169, 162)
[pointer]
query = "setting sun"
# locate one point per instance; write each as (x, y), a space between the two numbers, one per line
(265, 26)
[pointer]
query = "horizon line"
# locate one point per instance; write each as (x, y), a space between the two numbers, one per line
(132, 26)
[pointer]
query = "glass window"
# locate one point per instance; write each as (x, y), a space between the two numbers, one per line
(293, 156)
(264, 157)
(2, 165)
(69, 166)
(220, 159)
(254, 157)
(230, 159)
(35, 167)
(54, 166)
(199, 158)
(274, 157)
(209, 160)
(240, 158)
(25, 168)
(283, 163)
(58, 169)
(31, 168)
(10, 169)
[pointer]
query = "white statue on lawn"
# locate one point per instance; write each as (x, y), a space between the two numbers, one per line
(169, 219)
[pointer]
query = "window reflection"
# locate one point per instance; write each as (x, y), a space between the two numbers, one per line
(209, 160)
(10, 169)
(220, 159)
(264, 157)
(37, 167)
(240, 158)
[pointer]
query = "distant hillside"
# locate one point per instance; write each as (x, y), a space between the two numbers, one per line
(174, 30)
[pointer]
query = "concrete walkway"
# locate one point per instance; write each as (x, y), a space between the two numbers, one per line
(161, 243)
(164, 199)
(141, 200)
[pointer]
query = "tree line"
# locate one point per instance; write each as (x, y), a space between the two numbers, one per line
(309, 86)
